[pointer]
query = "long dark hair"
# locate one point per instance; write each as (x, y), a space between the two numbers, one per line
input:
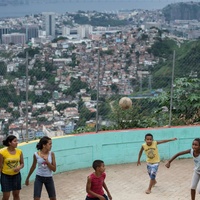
(44, 140)
(9, 139)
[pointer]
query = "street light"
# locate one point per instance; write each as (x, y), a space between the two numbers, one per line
(97, 107)
(26, 96)
(172, 90)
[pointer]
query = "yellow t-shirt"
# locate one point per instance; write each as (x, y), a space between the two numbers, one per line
(151, 152)
(10, 161)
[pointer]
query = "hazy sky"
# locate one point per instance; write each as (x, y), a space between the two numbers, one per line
(62, 6)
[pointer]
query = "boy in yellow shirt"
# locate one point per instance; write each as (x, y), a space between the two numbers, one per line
(153, 158)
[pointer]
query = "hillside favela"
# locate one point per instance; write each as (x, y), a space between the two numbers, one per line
(65, 73)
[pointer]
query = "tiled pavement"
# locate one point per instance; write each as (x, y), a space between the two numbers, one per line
(126, 182)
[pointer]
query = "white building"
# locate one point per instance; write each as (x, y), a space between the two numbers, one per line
(84, 31)
(49, 23)
(80, 32)
(16, 38)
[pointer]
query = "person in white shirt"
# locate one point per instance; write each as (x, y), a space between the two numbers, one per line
(195, 152)
(45, 160)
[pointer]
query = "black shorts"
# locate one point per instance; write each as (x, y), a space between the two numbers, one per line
(88, 198)
(10, 182)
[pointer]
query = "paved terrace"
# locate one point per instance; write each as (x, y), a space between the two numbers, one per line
(125, 182)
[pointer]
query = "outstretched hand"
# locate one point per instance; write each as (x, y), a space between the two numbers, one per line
(173, 139)
(138, 163)
(167, 165)
(27, 182)
(110, 197)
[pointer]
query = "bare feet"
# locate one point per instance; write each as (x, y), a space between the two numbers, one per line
(148, 191)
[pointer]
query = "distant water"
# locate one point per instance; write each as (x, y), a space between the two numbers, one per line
(64, 6)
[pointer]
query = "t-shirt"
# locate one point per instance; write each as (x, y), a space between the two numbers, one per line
(196, 161)
(43, 169)
(151, 153)
(97, 184)
(10, 161)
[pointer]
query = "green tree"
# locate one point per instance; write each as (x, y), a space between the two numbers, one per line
(93, 94)
(15, 114)
(3, 68)
(186, 101)
(138, 116)
(114, 88)
(163, 48)
(104, 109)
(63, 106)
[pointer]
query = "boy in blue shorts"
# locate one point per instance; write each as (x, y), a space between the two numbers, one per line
(153, 158)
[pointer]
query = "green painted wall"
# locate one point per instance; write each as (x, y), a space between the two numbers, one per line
(116, 147)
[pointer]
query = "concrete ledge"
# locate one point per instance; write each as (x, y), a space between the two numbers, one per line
(114, 147)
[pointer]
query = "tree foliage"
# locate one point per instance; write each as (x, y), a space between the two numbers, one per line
(186, 101)
(3, 68)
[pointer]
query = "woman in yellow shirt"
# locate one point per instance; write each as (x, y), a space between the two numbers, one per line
(11, 162)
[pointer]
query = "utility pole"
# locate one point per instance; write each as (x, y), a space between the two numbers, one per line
(172, 90)
(26, 137)
(97, 107)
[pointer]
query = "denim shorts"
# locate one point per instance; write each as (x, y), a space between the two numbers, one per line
(152, 170)
(49, 185)
(10, 182)
(89, 198)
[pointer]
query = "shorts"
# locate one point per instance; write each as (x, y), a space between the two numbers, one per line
(195, 181)
(152, 170)
(89, 198)
(49, 185)
(10, 182)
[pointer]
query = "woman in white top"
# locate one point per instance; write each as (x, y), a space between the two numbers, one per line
(46, 164)
(195, 152)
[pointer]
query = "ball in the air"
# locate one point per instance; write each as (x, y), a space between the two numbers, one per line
(125, 103)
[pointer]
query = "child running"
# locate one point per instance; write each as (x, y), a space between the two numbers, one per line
(45, 159)
(195, 152)
(96, 183)
(153, 158)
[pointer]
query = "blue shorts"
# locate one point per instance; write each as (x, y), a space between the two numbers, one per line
(10, 182)
(89, 198)
(152, 170)
(49, 185)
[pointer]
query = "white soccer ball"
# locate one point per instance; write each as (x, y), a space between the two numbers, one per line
(125, 103)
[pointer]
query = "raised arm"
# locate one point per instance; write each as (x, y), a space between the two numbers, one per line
(175, 156)
(139, 155)
(164, 141)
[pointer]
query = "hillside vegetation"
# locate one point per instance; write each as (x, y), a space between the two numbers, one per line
(187, 61)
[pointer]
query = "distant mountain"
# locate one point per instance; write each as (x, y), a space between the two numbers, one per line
(182, 11)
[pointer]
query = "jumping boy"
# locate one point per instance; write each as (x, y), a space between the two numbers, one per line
(153, 158)
(96, 183)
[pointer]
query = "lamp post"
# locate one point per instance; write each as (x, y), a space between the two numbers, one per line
(97, 107)
(172, 90)
(26, 96)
